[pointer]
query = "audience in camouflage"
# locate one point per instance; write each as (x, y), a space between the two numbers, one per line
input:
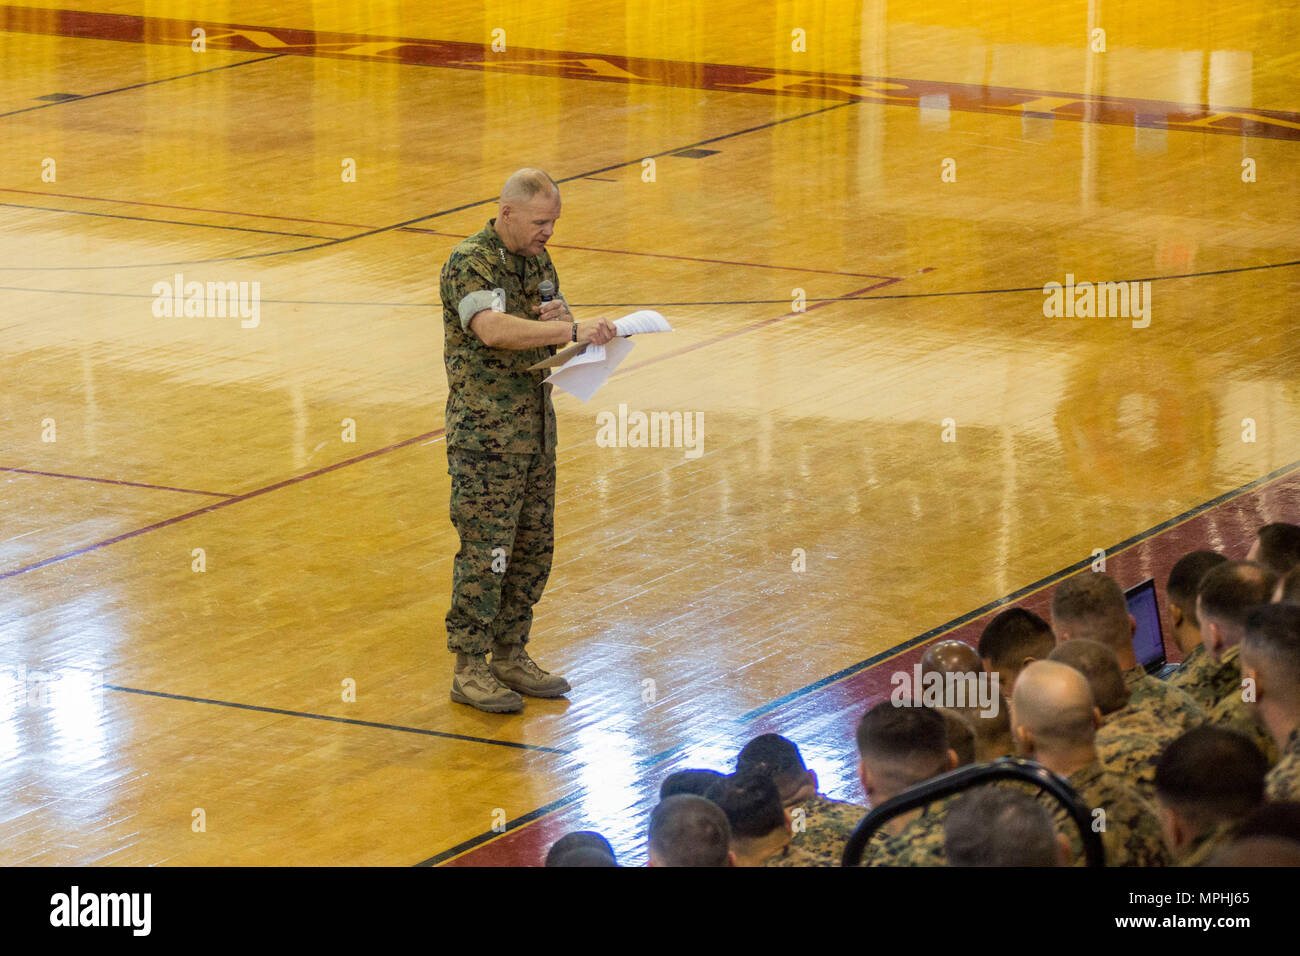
(999, 826)
(1270, 662)
(1207, 782)
(991, 730)
(686, 830)
(821, 826)
(899, 747)
(1129, 740)
(1226, 596)
(1198, 674)
(1055, 721)
(1091, 606)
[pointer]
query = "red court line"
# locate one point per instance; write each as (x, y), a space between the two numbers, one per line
(829, 715)
(115, 481)
(220, 504)
(610, 68)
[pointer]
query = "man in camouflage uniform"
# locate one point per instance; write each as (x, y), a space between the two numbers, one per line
(1091, 606)
(1198, 674)
(821, 826)
(1130, 739)
(898, 748)
(1208, 782)
(1270, 656)
(1055, 721)
(501, 441)
(1226, 596)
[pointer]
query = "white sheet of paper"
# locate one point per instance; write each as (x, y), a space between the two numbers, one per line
(587, 371)
(580, 377)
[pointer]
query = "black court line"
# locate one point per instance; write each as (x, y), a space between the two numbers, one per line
(340, 720)
(664, 305)
(664, 755)
(1014, 595)
(165, 222)
(136, 86)
(482, 838)
(433, 215)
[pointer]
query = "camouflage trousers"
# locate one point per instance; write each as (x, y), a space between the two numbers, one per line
(503, 508)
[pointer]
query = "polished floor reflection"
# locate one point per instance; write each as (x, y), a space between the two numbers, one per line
(226, 551)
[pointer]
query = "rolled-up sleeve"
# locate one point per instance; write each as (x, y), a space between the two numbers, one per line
(474, 303)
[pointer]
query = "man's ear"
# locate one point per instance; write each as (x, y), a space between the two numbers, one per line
(1132, 627)
(865, 776)
(1214, 639)
(952, 760)
(731, 858)
(789, 826)
(1023, 739)
(1176, 615)
(812, 778)
(1096, 717)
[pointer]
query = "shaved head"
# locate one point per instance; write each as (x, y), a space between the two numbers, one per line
(951, 657)
(1053, 703)
(1091, 606)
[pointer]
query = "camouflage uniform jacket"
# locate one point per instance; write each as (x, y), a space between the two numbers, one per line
(1283, 781)
(920, 842)
(494, 404)
(1169, 705)
(1130, 742)
(1233, 713)
(1205, 679)
(821, 830)
(1202, 847)
(1132, 835)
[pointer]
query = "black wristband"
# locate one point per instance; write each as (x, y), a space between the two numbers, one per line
(575, 331)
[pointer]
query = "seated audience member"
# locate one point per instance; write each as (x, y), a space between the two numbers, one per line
(760, 825)
(687, 830)
(585, 846)
(1197, 673)
(1226, 597)
(1270, 660)
(1207, 782)
(697, 782)
(990, 727)
(1055, 723)
(821, 825)
(1014, 638)
(998, 826)
(1288, 588)
(1277, 548)
(899, 747)
(1129, 740)
(1091, 606)
(961, 738)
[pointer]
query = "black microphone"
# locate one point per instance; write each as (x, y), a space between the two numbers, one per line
(547, 288)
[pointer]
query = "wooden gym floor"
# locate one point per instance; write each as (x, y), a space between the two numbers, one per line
(920, 171)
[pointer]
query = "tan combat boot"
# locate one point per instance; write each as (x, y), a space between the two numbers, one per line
(512, 666)
(472, 683)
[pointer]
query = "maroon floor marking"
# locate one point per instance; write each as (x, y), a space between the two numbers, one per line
(608, 68)
(115, 481)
